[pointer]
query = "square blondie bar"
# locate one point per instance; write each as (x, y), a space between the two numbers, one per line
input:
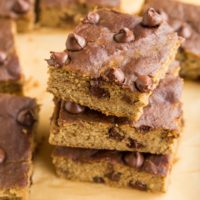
(146, 172)
(21, 11)
(18, 117)
(65, 13)
(113, 62)
(184, 18)
(155, 132)
(10, 69)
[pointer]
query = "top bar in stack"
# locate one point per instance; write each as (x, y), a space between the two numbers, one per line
(67, 12)
(113, 62)
(22, 11)
(184, 18)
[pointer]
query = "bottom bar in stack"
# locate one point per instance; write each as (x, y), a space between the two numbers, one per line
(143, 171)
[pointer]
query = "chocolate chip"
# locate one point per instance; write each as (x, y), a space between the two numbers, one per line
(2, 155)
(21, 6)
(151, 18)
(128, 99)
(98, 179)
(138, 185)
(75, 42)
(114, 134)
(114, 176)
(116, 75)
(144, 83)
(92, 18)
(134, 159)
(124, 35)
(2, 57)
(26, 118)
(185, 31)
(97, 91)
(74, 108)
(134, 144)
(144, 129)
(58, 59)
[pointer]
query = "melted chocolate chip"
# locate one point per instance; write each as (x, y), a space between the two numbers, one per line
(128, 99)
(97, 91)
(114, 134)
(74, 108)
(114, 176)
(134, 144)
(92, 18)
(144, 129)
(116, 75)
(2, 155)
(134, 159)
(138, 185)
(26, 118)
(124, 35)
(75, 42)
(157, 165)
(144, 83)
(58, 59)
(98, 179)
(185, 31)
(2, 57)
(21, 6)
(152, 18)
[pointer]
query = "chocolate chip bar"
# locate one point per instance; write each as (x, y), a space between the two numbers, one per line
(146, 172)
(21, 11)
(184, 18)
(65, 13)
(17, 122)
(155, 132)
(113, 67)
(10, 70)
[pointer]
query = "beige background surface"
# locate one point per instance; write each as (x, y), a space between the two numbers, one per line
(185, 179)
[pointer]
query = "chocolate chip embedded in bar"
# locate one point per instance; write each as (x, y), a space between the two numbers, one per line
(155, 132)
(146, 172)
(10, 71)
(107, 63)
(62, 13)
(18, 117)
(22, 11)
(184, 18)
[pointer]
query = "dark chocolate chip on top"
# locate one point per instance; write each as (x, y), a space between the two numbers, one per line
(21, 6)
(144, 83)
(114, 74)
(124, 35)
(2, 57)
(2, 155)
(58, 59)
(26, 118)
(152, 18)
(75, 42)
(73, 108)
(92, 18)
(185, 31)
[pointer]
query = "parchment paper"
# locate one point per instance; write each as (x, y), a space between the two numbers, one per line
(33, 48)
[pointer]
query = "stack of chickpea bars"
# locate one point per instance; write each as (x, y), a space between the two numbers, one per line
(118, 113)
